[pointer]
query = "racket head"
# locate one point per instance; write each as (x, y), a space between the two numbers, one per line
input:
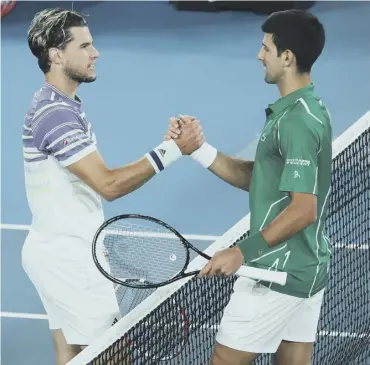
(140, 251)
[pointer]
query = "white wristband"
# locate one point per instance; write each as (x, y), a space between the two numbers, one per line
(163, 155)
(205, 155)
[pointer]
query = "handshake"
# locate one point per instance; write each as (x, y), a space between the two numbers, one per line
(184, 137)
(187, 133)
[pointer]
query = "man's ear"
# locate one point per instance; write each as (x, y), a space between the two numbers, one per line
(55, 56)
(288, 58)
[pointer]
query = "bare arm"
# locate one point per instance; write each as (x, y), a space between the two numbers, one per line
(115, 183)
(301, 212)
(59, 133)
(234, 171)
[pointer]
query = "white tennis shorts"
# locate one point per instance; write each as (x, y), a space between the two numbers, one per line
(257, 319)
(77, 298)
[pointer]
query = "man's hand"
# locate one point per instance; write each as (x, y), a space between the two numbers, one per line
(223, 263)
(176, 124)
(190, 138)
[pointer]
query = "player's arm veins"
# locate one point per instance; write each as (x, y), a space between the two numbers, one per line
(112, 183)
(301, 212)
(234, 171)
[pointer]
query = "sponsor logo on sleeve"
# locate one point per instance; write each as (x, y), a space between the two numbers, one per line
(73, 138)
(298, 161)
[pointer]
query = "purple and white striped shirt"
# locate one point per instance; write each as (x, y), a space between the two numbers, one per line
(55, 125)
(55, 135)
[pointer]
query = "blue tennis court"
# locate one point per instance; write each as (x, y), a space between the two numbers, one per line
(156, 62)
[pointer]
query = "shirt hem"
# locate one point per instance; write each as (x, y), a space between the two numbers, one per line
(291, 292)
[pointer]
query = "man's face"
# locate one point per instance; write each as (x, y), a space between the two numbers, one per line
(79, 56)
(268, 55)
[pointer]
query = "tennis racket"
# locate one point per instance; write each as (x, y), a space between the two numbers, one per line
(145, 252)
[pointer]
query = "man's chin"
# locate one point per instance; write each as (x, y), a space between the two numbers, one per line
(88, 80)
(270, 81)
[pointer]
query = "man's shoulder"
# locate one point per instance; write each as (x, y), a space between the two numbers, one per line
(307, 113)
(310, 108)
(44, 102)
(53, 113)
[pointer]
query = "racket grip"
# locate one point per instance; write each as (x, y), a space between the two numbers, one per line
(263, 275)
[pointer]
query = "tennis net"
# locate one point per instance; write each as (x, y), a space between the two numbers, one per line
(177, 324)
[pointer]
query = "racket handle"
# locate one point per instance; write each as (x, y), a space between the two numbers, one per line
(263, 275)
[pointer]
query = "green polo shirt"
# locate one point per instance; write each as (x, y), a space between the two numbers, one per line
(294, 154)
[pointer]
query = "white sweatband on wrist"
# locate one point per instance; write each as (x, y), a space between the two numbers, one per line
(163, 155)
(205, 155)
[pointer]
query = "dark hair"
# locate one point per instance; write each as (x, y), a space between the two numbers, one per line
(299, 31)
(51, 28)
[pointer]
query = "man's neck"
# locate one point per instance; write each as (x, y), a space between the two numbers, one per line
(65, 85)
(290, 84)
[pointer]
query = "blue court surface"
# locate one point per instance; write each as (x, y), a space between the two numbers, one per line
(156, 62)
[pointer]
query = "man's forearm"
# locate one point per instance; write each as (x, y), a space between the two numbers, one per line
(115, 183)
(291, 221)
(234, 171)
(126, 179)
(298, 215)
(112, 183)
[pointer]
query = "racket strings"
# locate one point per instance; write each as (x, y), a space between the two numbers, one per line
(141, 252)
(128, 298)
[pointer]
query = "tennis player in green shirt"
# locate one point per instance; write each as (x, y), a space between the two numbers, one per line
(288, 185)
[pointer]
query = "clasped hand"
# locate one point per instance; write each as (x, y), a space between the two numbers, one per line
(186, 132)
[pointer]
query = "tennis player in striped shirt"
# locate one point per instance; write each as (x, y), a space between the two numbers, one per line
(66, 179)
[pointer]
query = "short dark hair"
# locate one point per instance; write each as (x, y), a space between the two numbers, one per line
(299, 31)
(51, 28)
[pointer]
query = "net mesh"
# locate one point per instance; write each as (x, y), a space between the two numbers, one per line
(180, 328)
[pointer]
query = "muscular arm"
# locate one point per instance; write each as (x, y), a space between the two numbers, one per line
(301, 212)
(60, 134)
(115, 183)
(234, 171)
(112, 184)
(298, 178)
